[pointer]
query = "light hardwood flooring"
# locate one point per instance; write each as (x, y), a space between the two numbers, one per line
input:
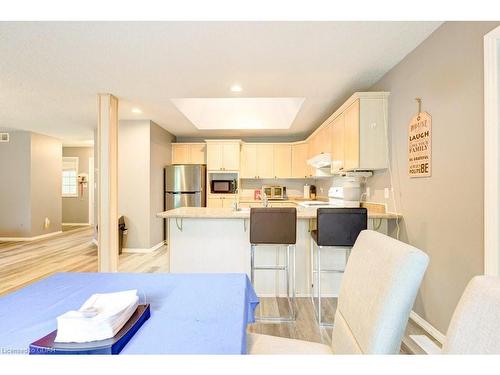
(23, 263)
(304, 327)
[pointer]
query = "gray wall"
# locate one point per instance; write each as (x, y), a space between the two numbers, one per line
(133, 181)
(76, 209)
(30, 191)
(144, 149)
(46, 176)
(160, 156)
(15, 185)
(443, 214)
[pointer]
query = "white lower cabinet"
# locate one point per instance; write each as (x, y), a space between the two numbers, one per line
(220, 202)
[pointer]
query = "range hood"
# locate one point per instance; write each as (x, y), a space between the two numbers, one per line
(320, 161)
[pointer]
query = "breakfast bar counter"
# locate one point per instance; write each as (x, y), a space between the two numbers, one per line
(208, 240)
(244, 213)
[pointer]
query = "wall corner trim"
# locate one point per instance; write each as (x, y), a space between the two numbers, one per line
(491, 154)
(427, 327)
(143, 250)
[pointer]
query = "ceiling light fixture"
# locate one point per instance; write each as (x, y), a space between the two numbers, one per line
(136, 110)
(236, 88)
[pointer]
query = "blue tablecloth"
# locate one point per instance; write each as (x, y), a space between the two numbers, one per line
(190, 313)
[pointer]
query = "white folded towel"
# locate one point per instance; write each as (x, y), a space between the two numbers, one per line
(99, 318)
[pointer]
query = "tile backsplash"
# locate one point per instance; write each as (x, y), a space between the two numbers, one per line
(294, 187)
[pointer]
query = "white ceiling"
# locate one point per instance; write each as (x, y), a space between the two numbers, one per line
(50, 72)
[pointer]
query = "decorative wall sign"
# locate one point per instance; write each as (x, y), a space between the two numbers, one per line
(420, 145)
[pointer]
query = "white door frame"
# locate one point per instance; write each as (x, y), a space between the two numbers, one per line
(491, 154)
(91, 190)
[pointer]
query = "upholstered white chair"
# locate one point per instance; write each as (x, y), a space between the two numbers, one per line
(475, 325)
(378, 290)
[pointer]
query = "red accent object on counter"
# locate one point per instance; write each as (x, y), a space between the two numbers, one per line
(256, 194)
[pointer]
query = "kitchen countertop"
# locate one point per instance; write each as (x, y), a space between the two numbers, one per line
(228, 213)
(287, 200)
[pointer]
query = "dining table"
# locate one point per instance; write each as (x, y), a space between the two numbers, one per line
(199, 313)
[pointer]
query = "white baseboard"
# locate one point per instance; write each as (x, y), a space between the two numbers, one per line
(426, 344)
(76, 224)
(305, 295)
(143, 251)
(26, 239)
(427, 327)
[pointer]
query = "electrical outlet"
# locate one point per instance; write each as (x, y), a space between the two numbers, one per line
(386, 193)
(46, 224)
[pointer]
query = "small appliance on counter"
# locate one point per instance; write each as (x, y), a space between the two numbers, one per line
(312, 192)
(223, 186)
(346, 195)
(274, 192)
(307, 191)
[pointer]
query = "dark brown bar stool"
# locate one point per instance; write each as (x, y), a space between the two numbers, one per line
(275, 226)
(335, 227)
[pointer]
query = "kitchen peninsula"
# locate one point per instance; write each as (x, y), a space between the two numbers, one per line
(202, 239)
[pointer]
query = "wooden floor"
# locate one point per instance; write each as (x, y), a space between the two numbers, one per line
(22, 263)
(304, 327)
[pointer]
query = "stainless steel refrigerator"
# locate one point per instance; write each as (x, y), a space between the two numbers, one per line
(185, 186)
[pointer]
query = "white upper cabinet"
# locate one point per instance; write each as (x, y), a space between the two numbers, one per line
(198, 153)
(249, 160)
(365, 134)
(338, 144)
(188, 153)
(265, 160)
(257, 160)
(282, 161)
(223, 155)
(300, 169)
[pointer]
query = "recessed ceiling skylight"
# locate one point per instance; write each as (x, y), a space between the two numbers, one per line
(240, 113)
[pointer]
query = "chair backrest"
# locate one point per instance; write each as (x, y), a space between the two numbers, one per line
(475, 325)
(340, 226)
(273, 225)
(376, 296)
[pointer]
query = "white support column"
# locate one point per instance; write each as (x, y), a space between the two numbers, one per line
(491, 153)
(107, 136)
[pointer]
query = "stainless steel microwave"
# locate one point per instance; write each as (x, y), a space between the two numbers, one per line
(274, 191)
(223, 186)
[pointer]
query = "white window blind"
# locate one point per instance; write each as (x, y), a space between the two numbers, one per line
(70, 177)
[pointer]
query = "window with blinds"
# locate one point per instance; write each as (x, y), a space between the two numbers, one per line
(70, 177)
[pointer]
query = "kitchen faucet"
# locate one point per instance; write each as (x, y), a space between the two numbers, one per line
(265, 201)
(235, 201)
